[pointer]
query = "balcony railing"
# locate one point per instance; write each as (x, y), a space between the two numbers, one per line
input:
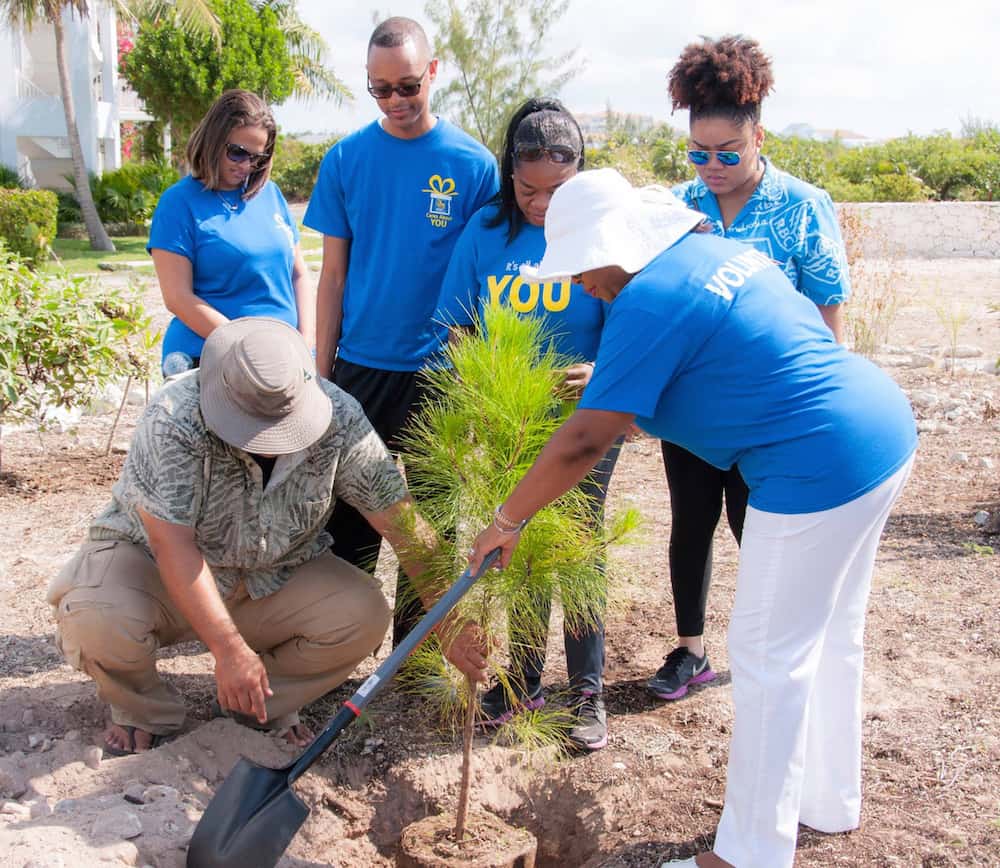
(27, 89)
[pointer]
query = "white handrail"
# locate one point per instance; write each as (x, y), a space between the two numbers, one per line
(27, 89)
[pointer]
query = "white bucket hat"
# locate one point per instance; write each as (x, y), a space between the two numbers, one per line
(259, 389)
(598, 218)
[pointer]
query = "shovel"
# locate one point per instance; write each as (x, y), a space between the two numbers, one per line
(255, 814)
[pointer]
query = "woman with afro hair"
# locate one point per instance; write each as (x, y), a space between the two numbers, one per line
(722, 83)
(746, 198)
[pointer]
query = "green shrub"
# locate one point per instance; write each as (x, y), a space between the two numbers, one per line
(125, 198)
(899, 188)
(28, 222)
(63, 339)
(129, 195)
(296, 165)
(10, 178)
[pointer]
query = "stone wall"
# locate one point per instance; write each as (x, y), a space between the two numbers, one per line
(927, 230)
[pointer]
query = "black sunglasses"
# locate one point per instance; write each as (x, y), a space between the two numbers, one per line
(239, 154)
(384, 91)
(557, 154)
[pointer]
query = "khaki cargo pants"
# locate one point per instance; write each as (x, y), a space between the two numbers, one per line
(114, 614)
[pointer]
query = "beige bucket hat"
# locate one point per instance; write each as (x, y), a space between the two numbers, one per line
(259, 389)
(598, 218)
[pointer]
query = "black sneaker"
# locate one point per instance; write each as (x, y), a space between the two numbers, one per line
(497, 706)
(590, 730)
(680, 670)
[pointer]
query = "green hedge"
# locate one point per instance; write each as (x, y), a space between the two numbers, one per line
(28, 222)
(296, 165)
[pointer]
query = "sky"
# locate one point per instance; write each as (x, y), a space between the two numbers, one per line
(880, 69)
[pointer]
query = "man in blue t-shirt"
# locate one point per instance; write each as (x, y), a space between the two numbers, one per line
(391, 200)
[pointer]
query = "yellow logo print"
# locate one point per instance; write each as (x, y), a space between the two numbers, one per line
(442, 191)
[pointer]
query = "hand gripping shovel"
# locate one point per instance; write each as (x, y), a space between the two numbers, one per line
(255, 814)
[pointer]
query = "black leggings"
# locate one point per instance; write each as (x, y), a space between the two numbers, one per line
(390, 400)
(696, 489)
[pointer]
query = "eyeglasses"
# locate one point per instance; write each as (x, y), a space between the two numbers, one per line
(703, 158)
(239, 154)
(557, 154)
(384, 91)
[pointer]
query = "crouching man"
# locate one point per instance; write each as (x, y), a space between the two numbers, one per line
(215, 531)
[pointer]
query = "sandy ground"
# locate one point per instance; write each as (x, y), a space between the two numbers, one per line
(932, 727)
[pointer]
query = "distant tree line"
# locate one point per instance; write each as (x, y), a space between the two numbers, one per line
(938, 167)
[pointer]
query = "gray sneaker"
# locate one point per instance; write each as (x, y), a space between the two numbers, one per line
(680, 670)
(590, 730)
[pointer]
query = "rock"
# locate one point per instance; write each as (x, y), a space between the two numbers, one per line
(918, 360)
(118, 824)
(160, 793)
(984, 463)
(13, 783)
(958, 458)
(35, 740)
(134, 792)
(923, 399)
(72, 735)
(40, 808)
(15, 809)
(932, 426)
(13, 725)
(981, 517)
(966, 351)
(953, 415)
(620, 766)
(136, 397)
(28, 718)
(67, 806)
(92, 757)
(114, 266)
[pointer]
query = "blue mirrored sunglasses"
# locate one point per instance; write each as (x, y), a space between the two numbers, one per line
(702, 158)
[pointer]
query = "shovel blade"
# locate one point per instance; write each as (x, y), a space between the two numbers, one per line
(250, 821)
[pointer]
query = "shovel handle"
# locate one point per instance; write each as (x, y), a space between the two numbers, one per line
(351, 709)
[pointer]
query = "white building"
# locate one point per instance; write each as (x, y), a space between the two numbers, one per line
(33, 138)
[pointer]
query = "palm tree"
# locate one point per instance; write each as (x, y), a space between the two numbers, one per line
(307, 50)
(27, 13)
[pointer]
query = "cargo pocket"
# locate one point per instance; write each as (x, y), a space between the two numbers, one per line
(86, 569)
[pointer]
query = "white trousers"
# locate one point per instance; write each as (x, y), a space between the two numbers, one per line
(796, 657)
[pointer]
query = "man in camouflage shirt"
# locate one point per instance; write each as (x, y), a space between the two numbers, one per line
(215, 531)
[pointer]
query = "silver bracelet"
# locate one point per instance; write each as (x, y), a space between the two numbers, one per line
(504, 524)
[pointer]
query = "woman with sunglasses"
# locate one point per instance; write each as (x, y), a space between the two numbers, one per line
(722, 83)
(222, 239)
(706, 344)
(543, 148)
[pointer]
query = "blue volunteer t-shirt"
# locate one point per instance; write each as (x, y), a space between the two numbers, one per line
(789, 221)
(403, 204)
(710, 350)
(241, 253)
(484, 270)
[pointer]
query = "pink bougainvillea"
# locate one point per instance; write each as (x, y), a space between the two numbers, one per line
(126, 42)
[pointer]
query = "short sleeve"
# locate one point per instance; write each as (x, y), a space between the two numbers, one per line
(289, 219)
(642, 351)
(172, 227)
(489, 184)
(367, 477)
(327, 210)
(164, 469)
(459, 299)
(824, 277)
